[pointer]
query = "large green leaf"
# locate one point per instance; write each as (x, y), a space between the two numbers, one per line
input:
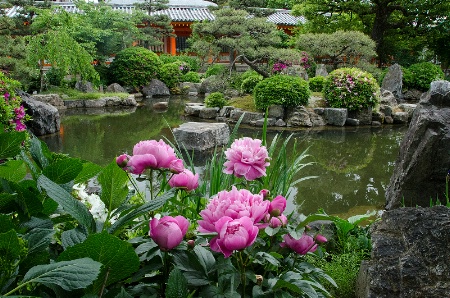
(39, 239)
(7, 203)
(114, 183)
(89, 170)
(71, 237)
(176, 285)
(71, 205)
(27, 196)
(143, 209)
(11, 144)
(40, 152)
(63, 170)
(6, 223)
(9, 245)
(13, 170)
(117, 256)
(69, 275)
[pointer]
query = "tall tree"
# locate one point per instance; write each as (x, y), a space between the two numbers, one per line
(154, 26)
(382, 19)
(253, 40)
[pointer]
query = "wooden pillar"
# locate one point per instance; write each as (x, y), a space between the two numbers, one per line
(172, 46)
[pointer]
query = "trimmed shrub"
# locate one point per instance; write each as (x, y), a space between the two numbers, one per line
(423, 74)
(250, 82)
(192, 61)
(135, 67)
(351, 88)
(215, 100)
(282, 90)
(170, 74)
(192, 77)
(215, 69)
(316, 83)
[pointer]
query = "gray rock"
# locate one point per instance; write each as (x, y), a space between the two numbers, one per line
(191, 87)
(156, 88)
(226, 111)
(321, 70)
(276, 111)
(95, 103)
(86, 87)
(352, 122)
(376, 123)
(409, 255)
(387, 98)
(412, 95)
(299, 117)
(319, 111)
(335, 116)
(208, 113)
(280, 123)
(72, 104)
(115, 88)
(247, 118)
(408, 108)
(202, 136)
(423, 162)
(194, 108)
(393, 80)
(45, 118)
(364, 116)
(400, 117)
(260, 122)
(316, 119)
(386, 110)
(378, 116)
(51, 99)
(388, 120)
(161, 105)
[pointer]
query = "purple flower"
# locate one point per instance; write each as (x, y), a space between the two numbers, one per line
(301, 246)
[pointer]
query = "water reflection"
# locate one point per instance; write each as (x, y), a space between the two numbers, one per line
(354, 165)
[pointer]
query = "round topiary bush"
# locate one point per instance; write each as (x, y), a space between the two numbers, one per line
(316, 83)
(135, 67)
(282, 90)
(192, 77)
(422, 74)
(351, 88)
(250, 82)
(170, 74)
(215, 100)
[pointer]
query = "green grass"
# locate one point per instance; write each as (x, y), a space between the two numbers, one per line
(75, 94)
(246, 103)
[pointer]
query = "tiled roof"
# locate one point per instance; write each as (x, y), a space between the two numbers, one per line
(181, 13)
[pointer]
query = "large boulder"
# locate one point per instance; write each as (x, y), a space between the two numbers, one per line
(51, 99)
(45, 118)
(156, 88)
(423, 162)
(202, 136)
(115, 88)
(410, 255)
(393, 80)
(86, 87)
(335, 116)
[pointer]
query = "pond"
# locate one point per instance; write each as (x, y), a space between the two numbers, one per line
(353, 164)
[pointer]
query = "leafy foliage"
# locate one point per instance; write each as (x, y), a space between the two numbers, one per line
(135, 67)
(282, 90)
(351, 88)
(249, 83)
(171, 74)
(193, 62)
(422, 74)
(215, 69)
(215, 100)
(316, 83)
(192, 77)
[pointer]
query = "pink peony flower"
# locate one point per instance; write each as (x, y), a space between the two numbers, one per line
(301, 246)
(176, 166)
(163, 153)
(275, 221)
(185, 179)
(234, 234)
(122, 160)
(277, 205)
(246, 158)
(320, 239)
(168, 232)
(137, 164)
(234, 204)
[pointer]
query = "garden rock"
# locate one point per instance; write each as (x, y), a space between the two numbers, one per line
(306, 117)
(95, 103)
(364, 116)
(247, 118)
(393, 80)
(226, 111)
(386, 110)
(400, 117)
(193, 108)
(422, 165)
(51, 99)
(407, 108)
(260, 122)
(208, 113)
(276, 111)
(376, 123)
(202, 136)
(115, 88)
(387, 98)
(352, 122)
(85, 87)
(161, 105)
(409, 255)
(191, 88)
(156, 88)
(45, 118)
(280, 123)
(334, 116)
(321, 70)
(412, 95)
(388, 120)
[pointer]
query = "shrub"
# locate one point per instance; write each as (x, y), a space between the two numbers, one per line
(215, 100)
(215, 69)
(351, 88)
(316, 83)
(135, 67)
(250, 82)
(423, 74)
(192, 77)
(12, 113)
(192, 61)
(281, 90)
(170, 74)
(55, 76)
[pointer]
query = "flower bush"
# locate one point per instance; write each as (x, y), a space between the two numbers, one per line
(12, 113)
(171, 73)
(351, 88)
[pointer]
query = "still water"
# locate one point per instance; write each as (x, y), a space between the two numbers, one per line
(353, 164)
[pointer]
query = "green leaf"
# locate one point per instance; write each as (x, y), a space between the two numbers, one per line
(124, 294)
(6, 223)
(63, 170)
(71, 237)
(356, 219)
(13, 170)
(7, 203)
(117, 256)
(205, 258)
(143, 209)
(263, 258)
(40, 152)
(71, 205)
(69, 275)
(114, 183)
(89, 170)
(39, 239)
(9, 245)
(176, 285)
(11, 144)
(28, 197)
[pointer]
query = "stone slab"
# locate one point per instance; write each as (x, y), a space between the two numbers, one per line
(202, 136)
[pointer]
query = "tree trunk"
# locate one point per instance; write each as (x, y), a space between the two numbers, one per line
(380, 25)
(253, 66)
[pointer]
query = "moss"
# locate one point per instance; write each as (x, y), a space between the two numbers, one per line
(246, 103)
